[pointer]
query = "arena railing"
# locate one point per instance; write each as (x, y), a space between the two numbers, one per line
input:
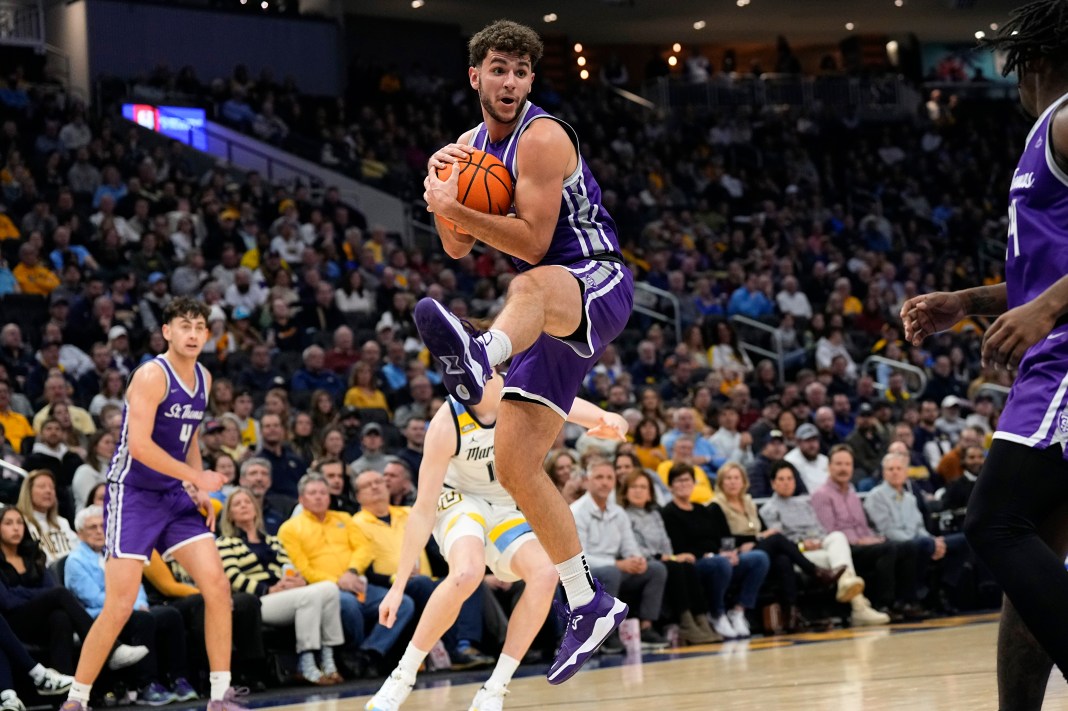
(775, 355)
(872, 362)
(647, 302)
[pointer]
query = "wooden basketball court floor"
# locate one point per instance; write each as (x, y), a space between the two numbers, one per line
(941, 664)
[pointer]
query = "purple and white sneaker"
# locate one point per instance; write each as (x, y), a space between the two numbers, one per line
(465, 366)
(587, 628)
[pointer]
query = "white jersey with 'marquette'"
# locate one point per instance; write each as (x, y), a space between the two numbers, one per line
(471, 467)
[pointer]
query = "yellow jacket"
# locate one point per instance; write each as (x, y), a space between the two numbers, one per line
(323, 550)
(702, 490)
(384, 540)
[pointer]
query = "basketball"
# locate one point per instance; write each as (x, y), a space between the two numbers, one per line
(484, 183)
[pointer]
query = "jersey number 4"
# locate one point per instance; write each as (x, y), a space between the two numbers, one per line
(186, 434)
(1014, 231)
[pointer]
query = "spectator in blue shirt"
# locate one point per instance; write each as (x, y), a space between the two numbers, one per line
(314, 377)
(749, 300)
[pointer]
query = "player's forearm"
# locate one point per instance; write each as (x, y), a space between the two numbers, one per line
(152, 455)
(512, 235)
(416, 535)
(585, 413)
(1054, 300)
(985, 300)
(455, 244)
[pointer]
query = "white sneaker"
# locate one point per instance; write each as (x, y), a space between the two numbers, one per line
(739, 623)
(9, 701)
(126, 656)
(864, 615)
(723, 627)
(849, 586)
(489, 698)
(392, 694)
(53, 683)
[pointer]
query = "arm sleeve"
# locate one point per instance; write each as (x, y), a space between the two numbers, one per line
(230, 550)
(291, 540)
(824, 512)
(882, 518)
(80, 581)
(160, 576)
(362, 551)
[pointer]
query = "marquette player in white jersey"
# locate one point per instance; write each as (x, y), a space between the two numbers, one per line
(476, 523)
(147, 508)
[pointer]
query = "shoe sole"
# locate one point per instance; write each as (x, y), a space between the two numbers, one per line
(856, 588)
(463, 376)
(52, 692)
(603, 627)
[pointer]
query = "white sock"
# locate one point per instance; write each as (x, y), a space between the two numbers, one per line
(37, 673)
(220, 682)
(329, 666)
(308, 668)
(502, 673)
(80, 692)
(577, 581)
(498, 346)
(409, 663)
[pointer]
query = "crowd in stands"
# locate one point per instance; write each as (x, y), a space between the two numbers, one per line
(734, 503)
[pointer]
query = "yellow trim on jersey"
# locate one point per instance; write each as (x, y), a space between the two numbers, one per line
(466, 423)
(477, 518)
(502, 528)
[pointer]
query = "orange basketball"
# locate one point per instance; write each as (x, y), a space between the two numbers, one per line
(484, 183)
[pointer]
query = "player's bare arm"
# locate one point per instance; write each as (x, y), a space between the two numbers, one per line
(147, 390)
(545, 156)
(456, 242)
(597, 421)
(438, 447)
(1059, 136)
(928, 314)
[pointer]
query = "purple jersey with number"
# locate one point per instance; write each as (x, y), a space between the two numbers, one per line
(1037, 256)
(177, 418)
(584, 229)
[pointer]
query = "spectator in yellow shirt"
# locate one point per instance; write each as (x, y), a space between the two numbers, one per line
(32, 275)
(328, 545)
(16, 426)
(683, 454)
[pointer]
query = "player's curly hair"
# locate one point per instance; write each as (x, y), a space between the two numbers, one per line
(504, 36)
(1038, 30)
(185, 306)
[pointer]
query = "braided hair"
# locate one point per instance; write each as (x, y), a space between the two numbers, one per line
(1035, 31)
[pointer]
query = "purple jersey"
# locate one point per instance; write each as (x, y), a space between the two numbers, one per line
(1037, 256)
(585, 229)
(177, 417)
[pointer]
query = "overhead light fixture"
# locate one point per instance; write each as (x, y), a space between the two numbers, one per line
(673, 60)
(742, 3)
(582, 61)
(584, 74)
(264, 4)
(676, 47)
(416, 4)
(699, 25)
(551, 17)
(578, 46)
(850, 26)
(980, 34)
(899, 3)
(994, 26)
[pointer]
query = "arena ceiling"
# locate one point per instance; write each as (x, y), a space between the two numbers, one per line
(668, 21)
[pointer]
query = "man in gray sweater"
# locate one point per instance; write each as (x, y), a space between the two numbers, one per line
(612, 551)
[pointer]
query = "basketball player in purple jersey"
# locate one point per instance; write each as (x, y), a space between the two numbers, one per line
(1017, 513)
(572, 297)
(146, 506)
